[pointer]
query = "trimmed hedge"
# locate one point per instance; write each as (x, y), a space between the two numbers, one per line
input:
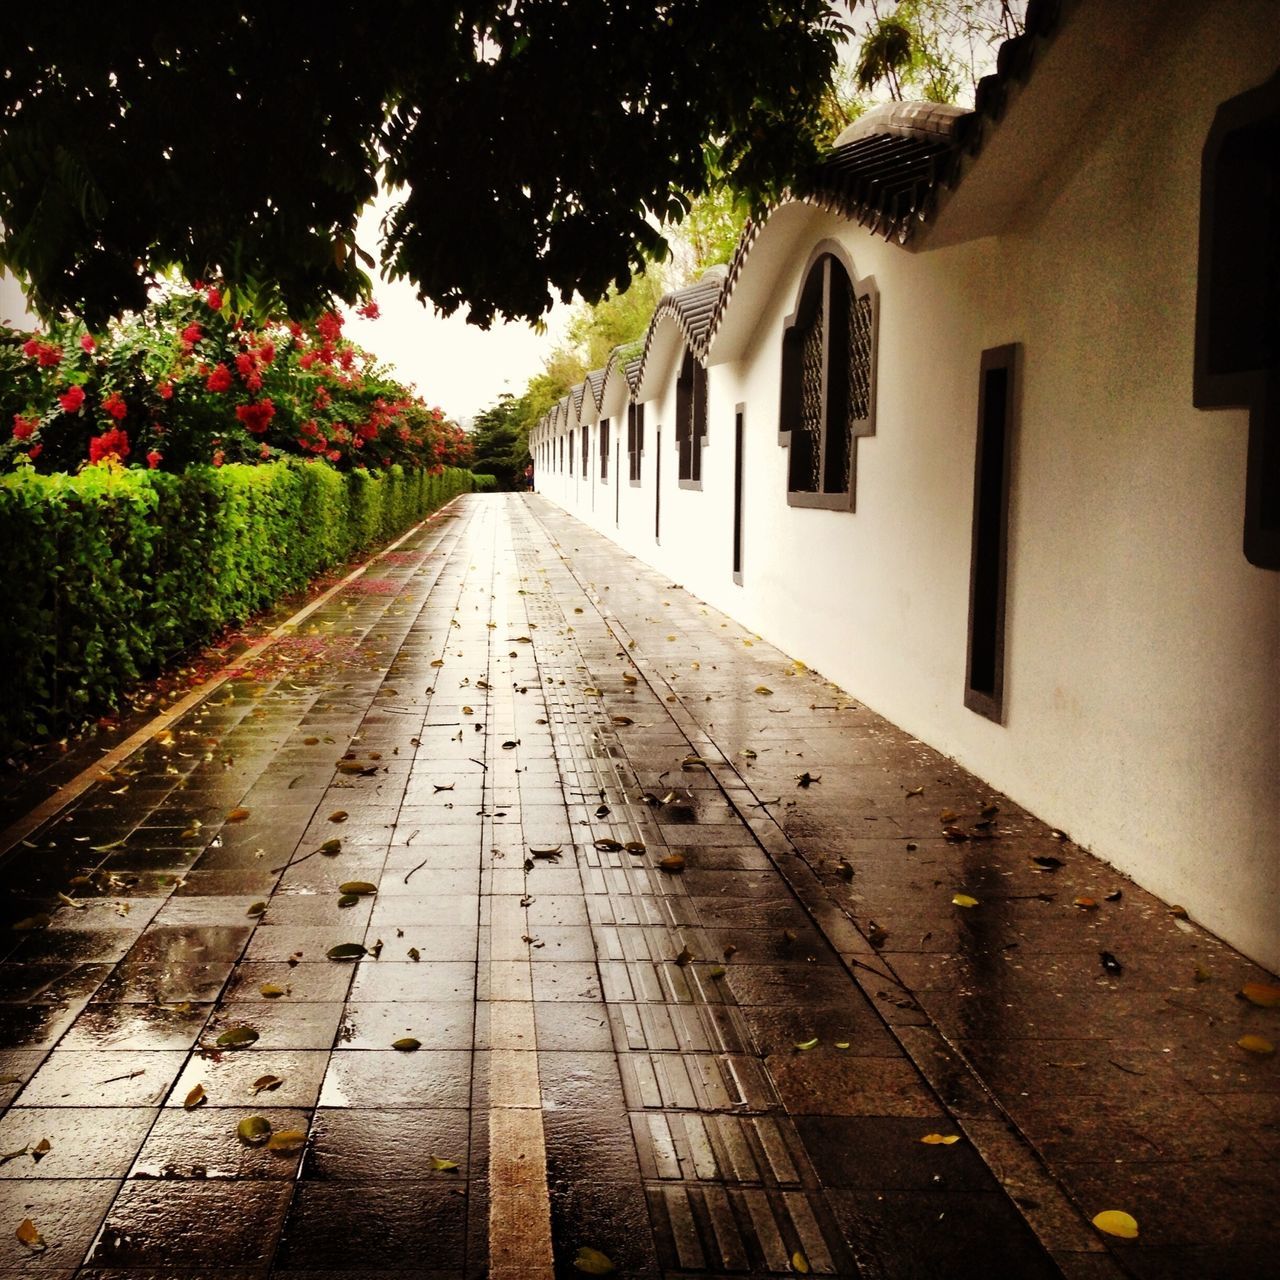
(114, 573)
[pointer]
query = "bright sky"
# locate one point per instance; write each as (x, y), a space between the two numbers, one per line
(454, 365)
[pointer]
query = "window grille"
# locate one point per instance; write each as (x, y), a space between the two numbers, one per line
(635, 439)
(691, 419)
(604, 449)
(828, 384)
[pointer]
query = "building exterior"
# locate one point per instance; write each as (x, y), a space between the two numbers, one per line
(973, 426)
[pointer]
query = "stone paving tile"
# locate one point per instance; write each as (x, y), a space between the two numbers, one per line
(482, 741)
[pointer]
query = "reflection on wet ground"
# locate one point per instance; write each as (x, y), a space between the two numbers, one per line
(605, 961)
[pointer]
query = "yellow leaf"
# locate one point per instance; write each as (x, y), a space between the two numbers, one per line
(440, 1165)
(964, 900)
(763, 690)
(29, 1236)
(1115, 1222)
(591, 1262)
(799, 1263)
(1259, 993)
(269, 991)
(194, 1098)
(1257, 1044)
(940, 1139)
(287, 1140)
(673, 862)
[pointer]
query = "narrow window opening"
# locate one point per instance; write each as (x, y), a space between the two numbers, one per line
(604, 450)
(691, 419)
(657, 487)
(1238, 303)
(988, 568)
(635, 439)
(737, 495)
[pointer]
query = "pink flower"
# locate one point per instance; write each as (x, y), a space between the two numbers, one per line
(154, 459)
(114, 404)
(218, 457)
(265, 451)
(23, 429)
(71, 399)
(219, 379)
(87, 343)
(214, 300)
(333, 455)
(370, 310)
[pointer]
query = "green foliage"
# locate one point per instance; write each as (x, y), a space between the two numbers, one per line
(499, 441)
(182, 382)
(618, 318)
(538, 147)
(122, 570)
(485, 484)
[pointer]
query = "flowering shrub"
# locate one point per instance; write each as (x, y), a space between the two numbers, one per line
(186, 382)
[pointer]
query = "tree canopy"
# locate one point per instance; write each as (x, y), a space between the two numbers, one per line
(536, 146)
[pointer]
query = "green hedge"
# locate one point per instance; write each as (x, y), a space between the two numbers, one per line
(114, 573)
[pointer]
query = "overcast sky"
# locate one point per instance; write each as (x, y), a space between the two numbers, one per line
(454, 365)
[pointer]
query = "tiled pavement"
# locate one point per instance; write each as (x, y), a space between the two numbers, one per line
(613, 1054)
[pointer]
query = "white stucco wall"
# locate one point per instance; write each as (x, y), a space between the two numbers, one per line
(1142, 676)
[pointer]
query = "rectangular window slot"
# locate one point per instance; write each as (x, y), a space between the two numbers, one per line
(988, 569)
(737, 495)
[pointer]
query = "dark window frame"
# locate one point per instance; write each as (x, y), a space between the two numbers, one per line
(999, 392)
(586, 452)
(604, 450)
(1237, 358)
(739, 444)
(635, 440)
(691, 419)
(832, 306)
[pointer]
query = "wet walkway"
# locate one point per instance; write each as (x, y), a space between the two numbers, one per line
(665, 930)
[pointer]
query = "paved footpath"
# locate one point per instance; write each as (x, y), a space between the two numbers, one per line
(664, 926)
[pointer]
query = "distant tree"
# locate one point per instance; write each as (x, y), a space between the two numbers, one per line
(537, 147)
(499, 441)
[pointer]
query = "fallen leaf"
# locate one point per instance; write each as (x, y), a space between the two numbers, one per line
(237, 815)
(407, 1044)
(1115, 1222)
(236, 1038)
(338, 815)
(717, 971)
(730, 950)
(1086, 904)
(634, 846)
(845, 868)
(331, 847)
(673, 863)
(805, 1045)
(1257, 1044)
(940, 1139)
(685, 957)
(414, 954)
(1110, 963)
(357, 887)
(40, 1150)
(1259, 993)
(1202, 974)
(1048, 862)
(799, 1263)
(842, 1044)
(550, 851)
(1114, 896)
(1179, 913)
(443, 1166)
(287, 1141)
(964, 900)
(609, 846)
(468, 711)
(257, 909)
(28, 1235)
(807, 779)
(955, 834)
(310, 742)
(591, 1262)
(346, 951)
(763, 690)
(269, 991)
(253, 1131)
(622, 721)
(195, 1098)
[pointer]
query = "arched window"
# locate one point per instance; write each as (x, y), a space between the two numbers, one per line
(828, 384)
(691, 419)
